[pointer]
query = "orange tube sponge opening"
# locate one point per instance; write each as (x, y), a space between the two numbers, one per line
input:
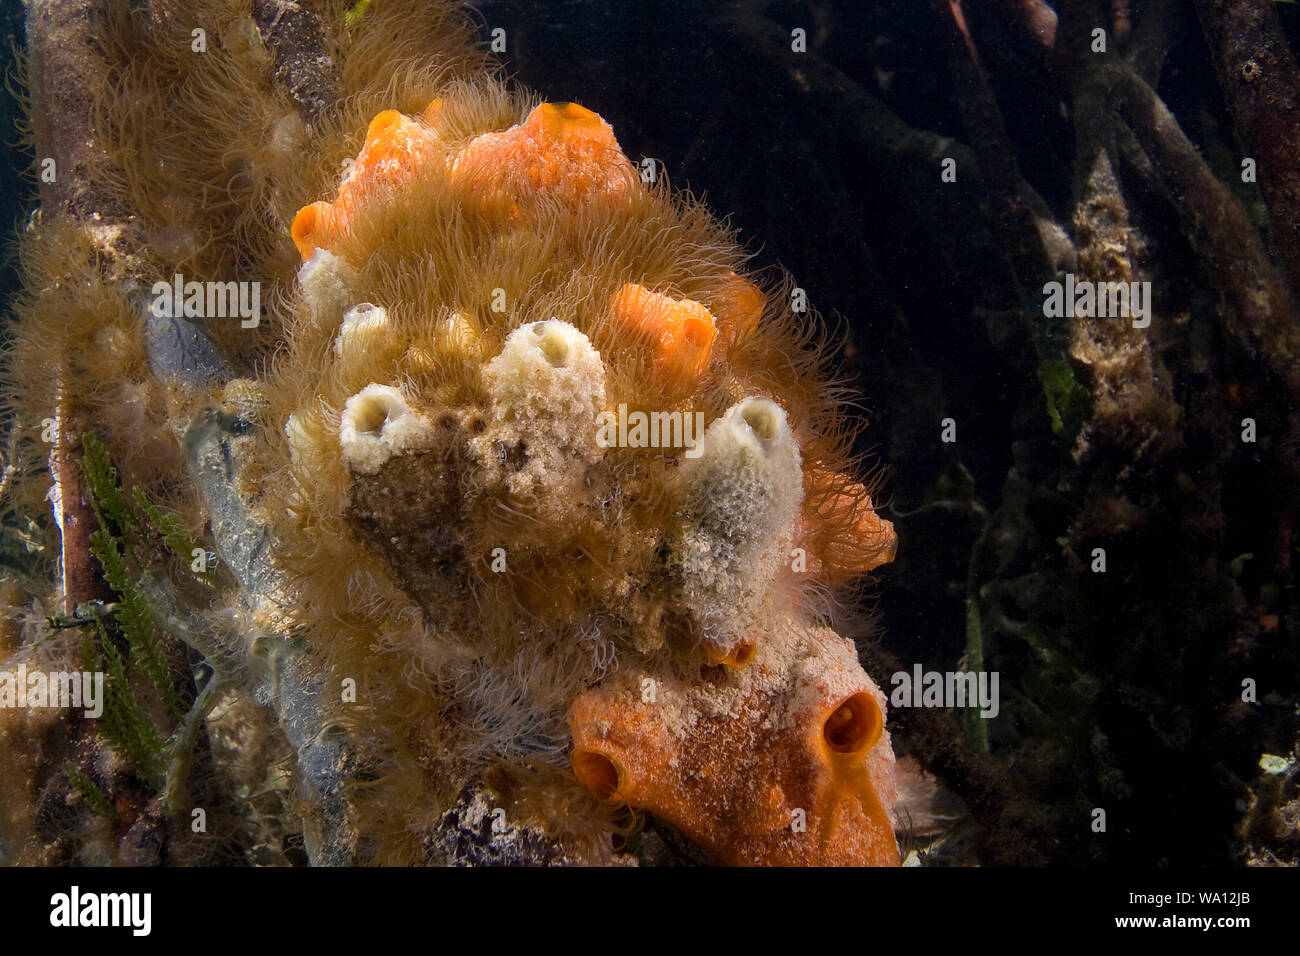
(738, 655)
(598, 774)
(854, 725)
(391, 150)
(677, 333)
(313, 227)
(753, 768)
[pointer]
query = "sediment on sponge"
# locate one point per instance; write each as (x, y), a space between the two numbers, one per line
(546, 389)
(734, 760)
(326, 282)
(365, 328)
(740, 498)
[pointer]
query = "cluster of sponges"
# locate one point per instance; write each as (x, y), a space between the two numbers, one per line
(507, 585)
(561, 154)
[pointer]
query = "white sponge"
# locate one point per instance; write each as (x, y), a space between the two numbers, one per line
(326, 282)
(378, 423)
(740, 500)
(365, 330)
(547, 388)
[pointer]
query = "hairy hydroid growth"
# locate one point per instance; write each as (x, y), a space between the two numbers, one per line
(486, 590)
(507, 297)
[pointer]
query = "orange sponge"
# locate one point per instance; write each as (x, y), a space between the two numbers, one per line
(742, 307)
(561, 151)
(840, 530)
(678, 333)
(782, 762)
(393, 150)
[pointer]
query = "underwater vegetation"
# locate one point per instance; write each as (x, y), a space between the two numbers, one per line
(431, 478)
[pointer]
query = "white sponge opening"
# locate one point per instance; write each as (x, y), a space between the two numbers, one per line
(377, 424)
